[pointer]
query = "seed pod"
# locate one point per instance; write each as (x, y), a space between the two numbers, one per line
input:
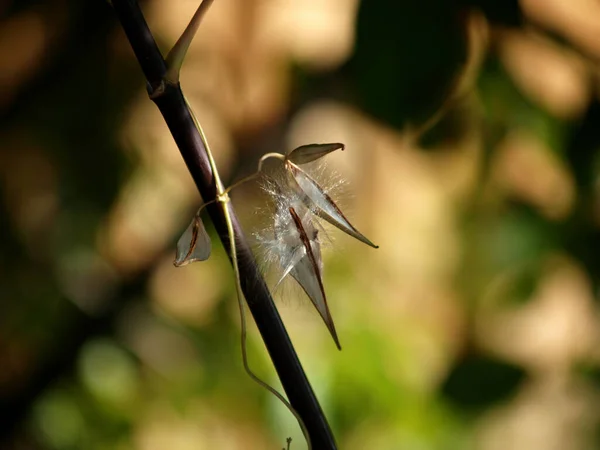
(311, 152)
(193, 245)
(307, 271)
(293, 243)
(317, 200)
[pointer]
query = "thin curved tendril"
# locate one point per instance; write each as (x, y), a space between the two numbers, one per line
(223, 200)
(267, 156)
(255, 174)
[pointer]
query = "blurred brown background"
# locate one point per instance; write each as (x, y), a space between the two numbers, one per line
(472, 130)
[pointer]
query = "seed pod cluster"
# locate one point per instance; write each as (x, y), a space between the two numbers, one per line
(299, 204)
(294, 238)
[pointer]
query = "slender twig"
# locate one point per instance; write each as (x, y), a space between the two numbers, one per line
(171, 103)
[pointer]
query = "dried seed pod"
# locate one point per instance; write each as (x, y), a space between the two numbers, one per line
(193, 245)
(296, 248)
(307, 271)
(317, 200)
(311, 152)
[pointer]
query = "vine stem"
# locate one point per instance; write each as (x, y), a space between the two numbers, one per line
(224, 200)
(170, 100)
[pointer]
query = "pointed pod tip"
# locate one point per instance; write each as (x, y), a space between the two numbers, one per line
(358, 235)
(335, 338)
(366, 241)
(333, 333)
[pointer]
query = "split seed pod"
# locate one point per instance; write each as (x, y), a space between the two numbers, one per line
(295, 247)
(194, 244)
(300, 203)
(312, 194)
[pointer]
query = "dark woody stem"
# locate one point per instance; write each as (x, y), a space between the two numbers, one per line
(172, 105)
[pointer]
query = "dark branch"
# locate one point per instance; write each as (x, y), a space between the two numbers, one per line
(172, 105)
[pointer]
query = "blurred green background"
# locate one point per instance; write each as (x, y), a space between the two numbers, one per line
(472, 131)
